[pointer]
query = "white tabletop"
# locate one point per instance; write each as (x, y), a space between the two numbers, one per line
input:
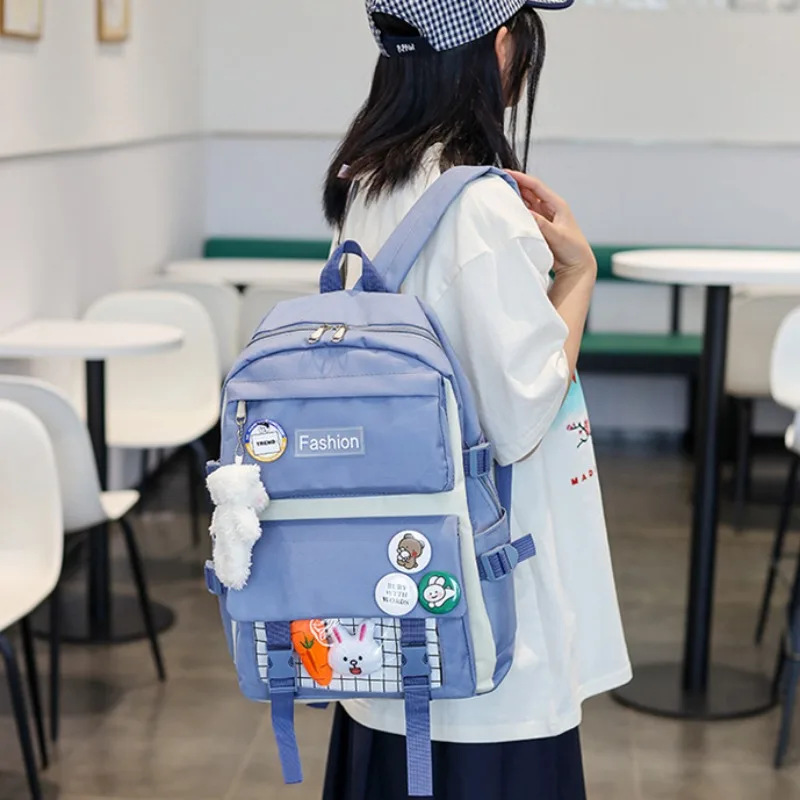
(293, 275)
(92, 341)
(710, 267)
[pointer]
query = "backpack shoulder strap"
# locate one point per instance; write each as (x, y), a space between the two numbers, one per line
(404, 246)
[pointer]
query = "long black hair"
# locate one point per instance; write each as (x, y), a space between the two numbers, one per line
(457, 98)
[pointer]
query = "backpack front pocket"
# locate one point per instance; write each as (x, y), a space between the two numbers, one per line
(347, 586)
(348, 436)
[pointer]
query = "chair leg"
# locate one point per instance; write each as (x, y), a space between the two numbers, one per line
(32, 671)
(194, 505)
(21, 716)
(792, 679)
(777, 546)
(55, 663)
(198, 456)
(144, 598)
(744, 437)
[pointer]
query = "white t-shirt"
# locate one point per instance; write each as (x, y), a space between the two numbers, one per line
(485, 274)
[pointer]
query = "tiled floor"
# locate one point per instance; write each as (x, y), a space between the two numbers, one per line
(194, 738)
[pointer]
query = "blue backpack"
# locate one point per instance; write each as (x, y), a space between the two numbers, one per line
(382, 566)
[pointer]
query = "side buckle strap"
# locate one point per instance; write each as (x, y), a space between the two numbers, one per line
(478, 460)
(282, 680)
(417, 690)
(501, 562)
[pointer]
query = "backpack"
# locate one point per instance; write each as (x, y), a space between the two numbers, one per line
(361, 532)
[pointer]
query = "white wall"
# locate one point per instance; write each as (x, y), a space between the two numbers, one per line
(665, 127)
(679, 74)
(101, 159)
(69, 91)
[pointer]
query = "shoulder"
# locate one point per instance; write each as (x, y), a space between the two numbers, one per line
(490, 219)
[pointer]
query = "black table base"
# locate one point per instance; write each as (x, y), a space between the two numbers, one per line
(126, 623)
(694, 689)
(731, 694)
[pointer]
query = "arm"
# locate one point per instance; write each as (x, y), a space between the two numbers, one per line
(575, 265)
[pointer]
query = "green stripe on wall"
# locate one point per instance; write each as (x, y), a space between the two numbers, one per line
(267, 248)
(318, 249)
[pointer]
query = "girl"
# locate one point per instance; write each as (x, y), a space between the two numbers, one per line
(448, 71)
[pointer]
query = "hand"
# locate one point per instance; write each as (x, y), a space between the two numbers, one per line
(571, 250)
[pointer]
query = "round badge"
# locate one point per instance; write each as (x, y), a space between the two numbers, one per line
(410, 552)
(265, 441)
(439, 592)
(396, 594)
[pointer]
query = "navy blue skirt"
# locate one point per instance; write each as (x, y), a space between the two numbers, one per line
(369, 765)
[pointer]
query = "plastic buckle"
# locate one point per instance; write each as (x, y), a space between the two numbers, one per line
(281, 671)
(499, 563)
(415, 663)
(213, 583)
(479, 460)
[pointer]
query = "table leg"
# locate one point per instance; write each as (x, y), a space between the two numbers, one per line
(696, 689)
(99, 586)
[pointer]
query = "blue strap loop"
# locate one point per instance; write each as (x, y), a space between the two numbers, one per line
(331, 279)
(504, 479)
(500, 562)
(282, 678)
(417, 692)
(478, 460)
(213, 583)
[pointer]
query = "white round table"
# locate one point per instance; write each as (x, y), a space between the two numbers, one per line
(696, 689)
(95, 342)
(293, 275)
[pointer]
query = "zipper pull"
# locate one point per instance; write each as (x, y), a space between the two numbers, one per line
(318, 334)
(241, 419)
(341, 332)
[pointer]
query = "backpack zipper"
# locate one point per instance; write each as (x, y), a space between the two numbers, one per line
(317, 332)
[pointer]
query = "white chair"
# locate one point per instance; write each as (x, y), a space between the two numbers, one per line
(168, 400)
(84, 504)
(257, 302)
(223, 304)
(755, 316)
(785, 384)
(31, 552)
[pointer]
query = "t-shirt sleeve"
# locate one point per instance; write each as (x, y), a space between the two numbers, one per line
(510, 341)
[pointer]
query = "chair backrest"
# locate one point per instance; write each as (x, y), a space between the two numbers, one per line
(77, 471)
(754, 322)
(180, 378)
(785, 363)
(31, 530)
(223, 304)
(257, 302)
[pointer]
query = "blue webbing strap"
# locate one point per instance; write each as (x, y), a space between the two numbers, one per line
(282, 686)
(404, 246)
(417, 691)
(500, 562)
(504, 479)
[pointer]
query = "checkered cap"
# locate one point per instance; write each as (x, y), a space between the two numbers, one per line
(446, 24)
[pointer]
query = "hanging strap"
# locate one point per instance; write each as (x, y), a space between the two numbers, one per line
(282, 680)
(504, 479)
(417, 692)
(404, 246)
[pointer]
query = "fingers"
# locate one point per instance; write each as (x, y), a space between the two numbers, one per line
(545, 225)
(533, 186)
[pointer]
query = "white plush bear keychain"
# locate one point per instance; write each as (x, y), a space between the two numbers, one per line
(239, 497)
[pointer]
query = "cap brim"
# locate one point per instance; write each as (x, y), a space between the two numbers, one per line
(551, 5)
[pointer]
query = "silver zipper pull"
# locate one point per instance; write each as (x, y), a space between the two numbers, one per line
(318, 334)
(241, 419)
(341, 332)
